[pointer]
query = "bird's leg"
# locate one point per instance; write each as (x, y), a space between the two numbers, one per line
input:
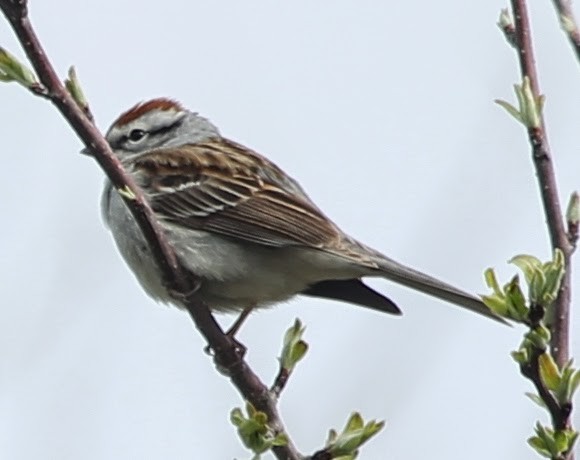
(181, 297)
(234, 328)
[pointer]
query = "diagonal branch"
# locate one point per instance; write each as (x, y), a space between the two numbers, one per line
(226, 350)
(542, 158)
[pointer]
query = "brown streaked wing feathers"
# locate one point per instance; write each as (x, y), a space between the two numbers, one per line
(211, 186)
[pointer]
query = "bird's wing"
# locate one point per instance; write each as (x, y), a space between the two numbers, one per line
(222, 187)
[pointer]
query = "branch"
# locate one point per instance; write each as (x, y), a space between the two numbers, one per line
(559, 413)
(555, 385)
(542, 159)
(226, 351)
(569, 24)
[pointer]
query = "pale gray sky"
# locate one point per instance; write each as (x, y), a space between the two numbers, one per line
(385, 114)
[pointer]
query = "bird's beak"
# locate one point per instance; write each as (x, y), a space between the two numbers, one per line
(87, 151)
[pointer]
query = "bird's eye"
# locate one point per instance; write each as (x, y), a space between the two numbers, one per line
(136, 135)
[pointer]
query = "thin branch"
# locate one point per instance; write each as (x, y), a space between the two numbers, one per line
(227, 352)
(569, 24)
(560, 414)
(542, 159)
(280, 382)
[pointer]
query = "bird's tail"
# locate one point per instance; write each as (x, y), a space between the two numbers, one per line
(414, 279)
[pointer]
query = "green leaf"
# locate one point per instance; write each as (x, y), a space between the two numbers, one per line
(547, 436)
(332, 435)
(254, 431)
(554, 272)
(355, 433)
(496, 304)
(518, 89)
(355, 422)
(549, 371)
(543, 332)
(11, 69)
(529, 265)
(537, 399)
(569, 382)
(73, 86)
(539, 446)
(491, 281)
(280, 440)
(531, 106)
(510, 109)
(537, 338)
(574, 382)
(293, 348)
(237, 417)
(520, 356)
(515, 300)
(560, 442)
(537, 287)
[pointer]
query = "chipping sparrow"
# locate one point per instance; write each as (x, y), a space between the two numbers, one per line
(237, 222)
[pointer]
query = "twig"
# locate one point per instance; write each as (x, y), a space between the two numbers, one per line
(560, 414)
(569, 24)
(280, 381)
(293, 350)
(226, 350)
(542, 159)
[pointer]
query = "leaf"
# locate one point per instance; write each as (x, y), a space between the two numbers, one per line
(520, 356)
(569, 383)
(539, 446)
(553, 272)
(574, 383)
(537, 287)
(355, 422)
(73, 86)
(293, 348)
(531, 106)
(491, 281)
(11, 69)
(510, 109)
(528, 264)
(515, 300)
(254, 430)
(561, 441)
(537, 399)
(355, 433)
(496, 304)
(549, 371)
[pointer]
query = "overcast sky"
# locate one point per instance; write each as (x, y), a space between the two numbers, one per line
(384, 112)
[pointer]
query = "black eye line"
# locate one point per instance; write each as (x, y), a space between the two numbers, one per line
(167, 128)
(157, 132)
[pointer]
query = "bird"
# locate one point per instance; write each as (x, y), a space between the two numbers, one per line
(240, 225)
